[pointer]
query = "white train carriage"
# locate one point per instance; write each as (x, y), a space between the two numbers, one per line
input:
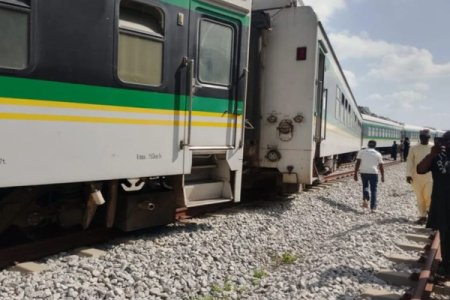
(412, 133)
(383, 131)
(438, 133)
(299, 103)
(118, 90)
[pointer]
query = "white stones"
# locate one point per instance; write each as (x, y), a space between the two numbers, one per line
(321, 245)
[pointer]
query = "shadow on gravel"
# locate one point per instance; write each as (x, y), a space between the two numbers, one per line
(392, 220)
(158, 232)
(340, 206)
(189, 227)
(354, 228)
(346, 275)
(274, 207)
(368, 224)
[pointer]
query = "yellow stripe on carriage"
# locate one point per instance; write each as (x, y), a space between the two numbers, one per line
(87, 119)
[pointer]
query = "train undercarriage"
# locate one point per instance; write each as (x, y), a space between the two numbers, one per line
(29, 213)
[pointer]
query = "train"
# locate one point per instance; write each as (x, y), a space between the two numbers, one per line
(385, 131)
(121, 109)
(306, 118)
(124, 112)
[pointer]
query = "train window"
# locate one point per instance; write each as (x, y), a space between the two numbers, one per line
(215, 53)
(141, 43)
(14, 45)
(338, 102)
(338, 106)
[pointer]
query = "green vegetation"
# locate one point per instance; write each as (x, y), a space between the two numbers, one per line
(259, 274)
(288, 258)
(285, 258)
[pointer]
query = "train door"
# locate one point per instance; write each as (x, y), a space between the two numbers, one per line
(321, 103)
(212, 106)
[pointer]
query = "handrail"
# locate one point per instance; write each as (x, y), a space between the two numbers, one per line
(190, 88)
(244, 111)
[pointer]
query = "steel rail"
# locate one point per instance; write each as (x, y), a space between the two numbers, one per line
(49, 246)
(348, 173)
(424, 286)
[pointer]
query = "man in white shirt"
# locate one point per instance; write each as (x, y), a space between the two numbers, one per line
(368, 162)
(421, 184)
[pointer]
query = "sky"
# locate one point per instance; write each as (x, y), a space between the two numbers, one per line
(395, 55)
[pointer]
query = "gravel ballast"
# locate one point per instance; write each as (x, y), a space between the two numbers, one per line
(317, 245)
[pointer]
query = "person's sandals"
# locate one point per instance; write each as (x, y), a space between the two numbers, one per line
(365, 204)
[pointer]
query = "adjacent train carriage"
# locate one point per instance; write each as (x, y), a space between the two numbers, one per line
(438, 133)
(301, 111)
(138, 102)
(381, 130)
(412, 133)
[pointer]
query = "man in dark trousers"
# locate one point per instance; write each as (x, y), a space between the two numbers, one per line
(394, 151)
(405, 149)
(368, 162)
(438, 162)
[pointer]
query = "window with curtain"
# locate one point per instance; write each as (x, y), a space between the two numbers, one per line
(215, 53)
(14, 32)
(141, 44)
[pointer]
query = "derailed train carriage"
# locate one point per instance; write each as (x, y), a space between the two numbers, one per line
(383, 131)
(303, 115)
(138, 103)
(141, 104)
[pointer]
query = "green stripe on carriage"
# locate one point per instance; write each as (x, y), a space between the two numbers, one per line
(242, 17)
(23, 88)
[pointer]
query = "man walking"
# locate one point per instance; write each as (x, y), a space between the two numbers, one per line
(405, 148)
(368, 162)
(438, 162)
(421, 184)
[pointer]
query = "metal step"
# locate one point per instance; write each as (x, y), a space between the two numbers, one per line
(207, 202)
(207, 192)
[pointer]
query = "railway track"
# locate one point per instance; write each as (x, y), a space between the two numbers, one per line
(32, 250)
(423, 284)
(424, 280)
(348, 171)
